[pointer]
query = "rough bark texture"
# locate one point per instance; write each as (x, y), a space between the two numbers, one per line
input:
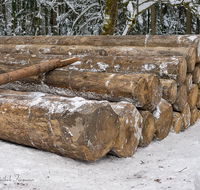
(164, 67)
(113, 87)
(163, 119)
(193, 96)
(188, 81)
(198, 100)
(109, 22)
(186, 115)
(169, 92)
(132, 40)
(153, 20)
(188, 53)
(194, 115)
(35, 69)
(176, 122)
(148, 128)
(196, 75)
(181, 99)
(72, 127)
(130, 123)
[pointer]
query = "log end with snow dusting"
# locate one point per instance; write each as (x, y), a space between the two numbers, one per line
(71, 127)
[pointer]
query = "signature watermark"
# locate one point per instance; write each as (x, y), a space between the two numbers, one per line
(15, 177)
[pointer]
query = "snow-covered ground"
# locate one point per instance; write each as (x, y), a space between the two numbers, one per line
(168, 164)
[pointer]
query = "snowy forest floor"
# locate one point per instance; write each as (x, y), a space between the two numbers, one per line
(167, 164)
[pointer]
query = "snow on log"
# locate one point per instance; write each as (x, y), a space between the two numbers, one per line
(181, 98)
(148, 128)
(132, 40)
(186, 116)
(188, 53)
(163, 119)
(194, 115)
(176, 122)
(193, 94)
(99, 86)
(169, 92)
(188, 81)
(72, 127)
(130, 128)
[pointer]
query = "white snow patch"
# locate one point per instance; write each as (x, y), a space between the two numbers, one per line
(46, 50)
(192, 38)
(148, 67)
(76, 63)
(102, 66)
(108, 81)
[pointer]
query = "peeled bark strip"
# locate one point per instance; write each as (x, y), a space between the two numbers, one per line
(163, 119)
(132, 40)
(113, 87)
(72, 127)
(35, 69)
(193, 96)
(198, 100)
(186, 115)
(176, 122)
(188, 53)
(148, 128)
(181, 99)
(169, 92)
(194, 115)
(130, 128)
(188, 81)
(196, 75)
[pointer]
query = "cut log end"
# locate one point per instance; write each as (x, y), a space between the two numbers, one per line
(148, 128)
(182, 71)
(186, 116)
(176, 122)
(194, 115)
(191, 60)
(193, 96)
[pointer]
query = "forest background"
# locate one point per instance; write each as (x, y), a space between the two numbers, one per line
(96, 17)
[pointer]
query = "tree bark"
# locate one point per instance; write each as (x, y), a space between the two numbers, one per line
(163, 119)
(60, 125)
(188, 53)
(176, 122)
(153, 20)
(188, 22)
(113, 87)
(148, 129)
(169, 92)
(164, 67)
(193, 96)
(181, 99)
(35, 69)
(186, 115)
(188, 81)
(130, 128)
(194, 115)
(110, 17)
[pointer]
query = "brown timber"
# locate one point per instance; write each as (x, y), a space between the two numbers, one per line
(186, 116)
(71, 127)
(194, 115)
(176, 122)
(188, 81)
(193, 94)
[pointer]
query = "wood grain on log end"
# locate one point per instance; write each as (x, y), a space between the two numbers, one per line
(186, 115)
(193, 96)
(181, 98)
(169, 92)
(163, 119)
(148, 128)
(131, 123)
(191, 60)
(194, 115)
(198, 100)
(188, 81)
(176, 122)
(196, 75)
(72, 127)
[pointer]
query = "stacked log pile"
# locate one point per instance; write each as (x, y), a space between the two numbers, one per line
(150, 84)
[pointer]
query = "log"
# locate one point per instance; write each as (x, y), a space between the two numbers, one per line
(131, 40)
(198, 100)
(164, 67)
(148, 129)
(130, 128)
(181, 98)
(194, 115)
(169, 92)
(113, 87)
(188, 81)
(188, 53)
(35, 69)
(176, 122)
(196, 75)
(186, 115)
(193, 96)
(71, 127)
(163, 119)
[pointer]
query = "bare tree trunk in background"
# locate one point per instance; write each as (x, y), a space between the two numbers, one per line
(53, 22)
(188, 22)
(161, 17)
(4, 16)
(198, 26)
(109, 22)
(153, 20)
